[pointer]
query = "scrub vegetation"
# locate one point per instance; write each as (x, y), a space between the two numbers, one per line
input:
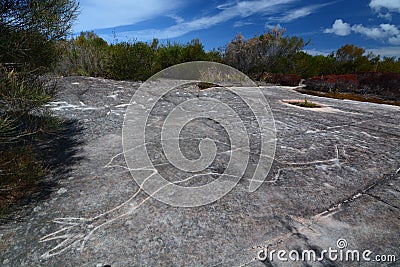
(29, 35)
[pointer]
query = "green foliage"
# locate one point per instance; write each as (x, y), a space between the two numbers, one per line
(20, 171)
(22, 92)
(269, 52)
(91, 56)
(168, 55)
(22, 139)
(308, 66)
(26, 50)
(21, 96)
(304, 104)
(351, 59)
(85, 55)
(130, 61)
(28, 30)
(389, 64)
(193, 51)
(308, 104)
(347, 59)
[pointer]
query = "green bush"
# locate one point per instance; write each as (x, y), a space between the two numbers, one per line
(29, 31)
(264, 53)
(21, 92)
(85, 55)
(20, 171)
(25, 143)
(89, 55)
(130, 61)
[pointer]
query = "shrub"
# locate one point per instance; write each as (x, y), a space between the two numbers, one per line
(383, 85)
(261, 53)
(31, 147)
(386, 85)
(20, 171)
(130, 62)
(304, 104)
(28, 30)
(168, 55)
(193, 51)
(282, 79)
(22, 92)
(28, 33)
(333, 83)
(286, 79)
(85, 55)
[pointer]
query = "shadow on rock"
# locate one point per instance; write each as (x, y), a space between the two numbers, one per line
(37, 152)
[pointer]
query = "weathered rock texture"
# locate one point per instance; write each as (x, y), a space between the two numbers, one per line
(335, 175)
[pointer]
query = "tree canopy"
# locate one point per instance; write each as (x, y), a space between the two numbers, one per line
(262, 53)
(28, 30)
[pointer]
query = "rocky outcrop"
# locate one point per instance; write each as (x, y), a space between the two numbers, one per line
(335, 177)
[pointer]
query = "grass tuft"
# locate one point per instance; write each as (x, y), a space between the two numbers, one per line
(304, 104)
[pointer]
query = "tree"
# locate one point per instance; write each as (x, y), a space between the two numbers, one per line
(193, 51)
(389, 64)
(262, 53)
(84, 55)
(131, 61)
(29, 28)
(324, 65)
(352, 59)
(168, 55)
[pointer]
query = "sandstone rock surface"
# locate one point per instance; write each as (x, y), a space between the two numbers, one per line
(335, 175)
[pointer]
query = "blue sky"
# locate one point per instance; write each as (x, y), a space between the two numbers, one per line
(371, 24)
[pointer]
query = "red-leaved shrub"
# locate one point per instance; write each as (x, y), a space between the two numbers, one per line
(282, 79)
(333, 83)
(384, 85)
(379, 83)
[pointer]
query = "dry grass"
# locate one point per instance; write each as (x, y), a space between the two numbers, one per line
(20, 172)
(303, 103)
(206, 85)
(31, 148)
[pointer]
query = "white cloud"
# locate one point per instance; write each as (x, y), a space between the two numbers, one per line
(381, 32)
(395, 40)
(315, 52)
(389, 51)
(390, 29)
(106, 14)
(271, 26)
(226, 5)
(177, 18)
(100, 15)
(386, 16)
(242, 9)
(385, 32)
(339, 28)
(239, 24)
(391, 5)
(299, 13)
